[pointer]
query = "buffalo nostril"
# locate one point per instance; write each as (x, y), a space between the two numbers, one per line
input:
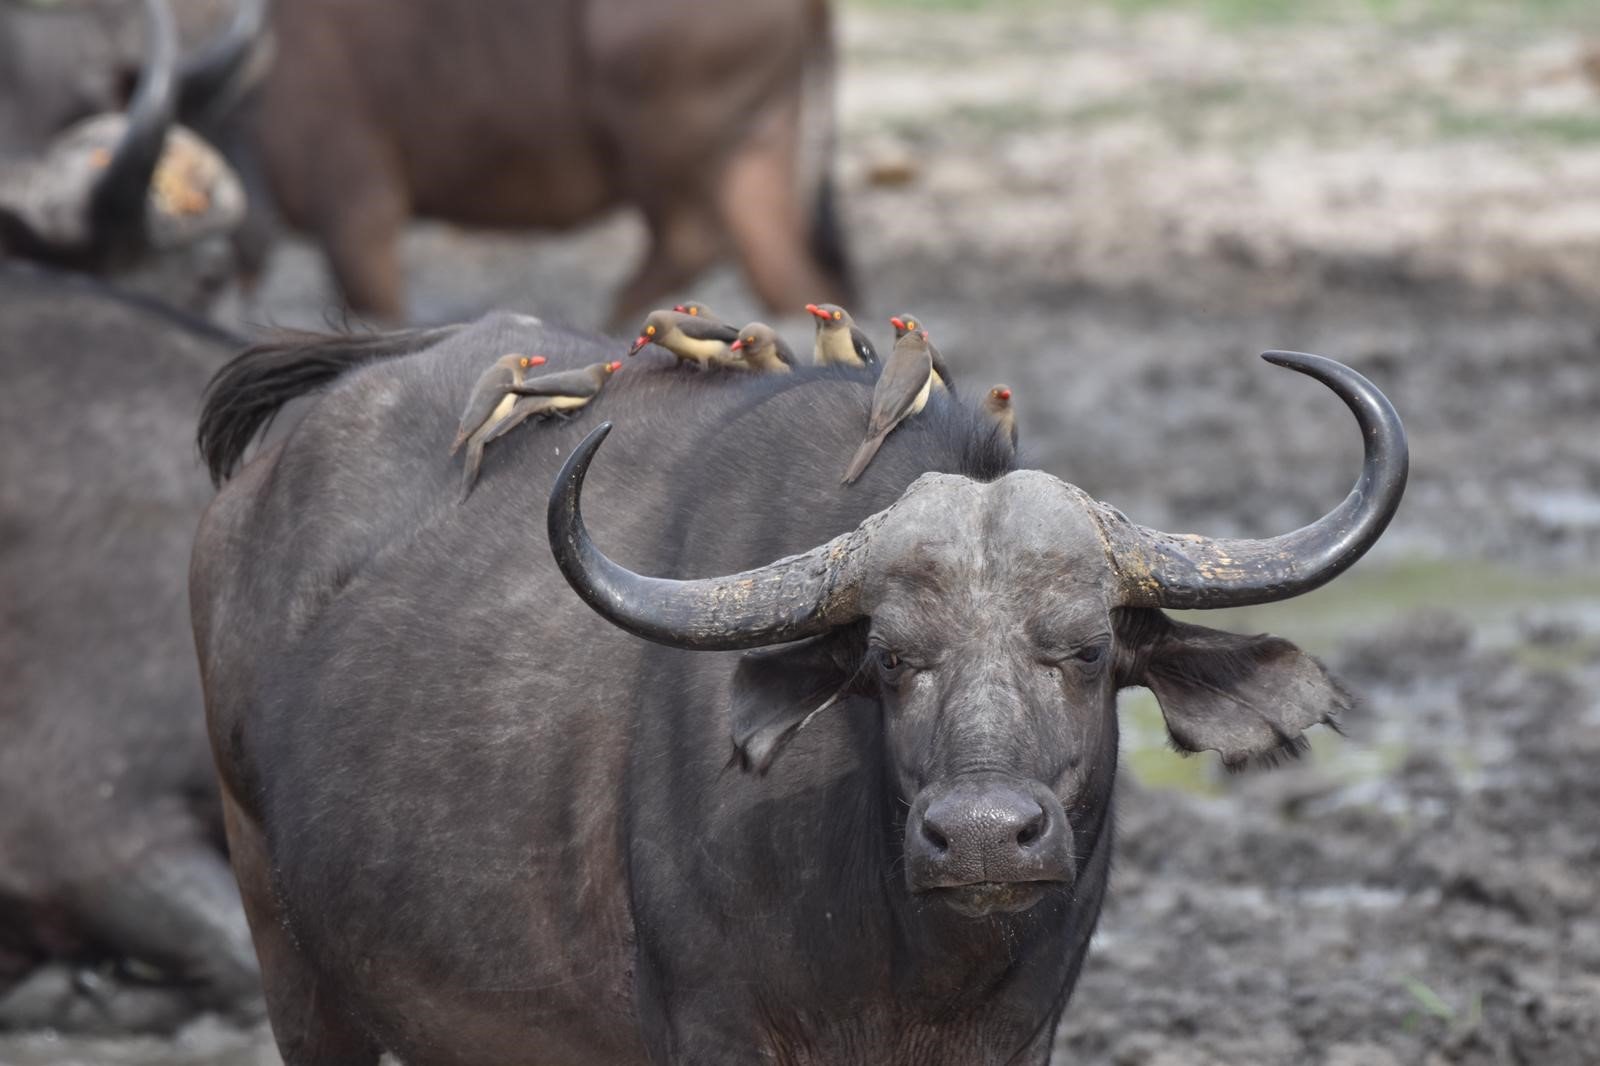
(936, 840)
(1032, 830)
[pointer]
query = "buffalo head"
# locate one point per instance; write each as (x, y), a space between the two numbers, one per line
(994, 623)
(115, 186)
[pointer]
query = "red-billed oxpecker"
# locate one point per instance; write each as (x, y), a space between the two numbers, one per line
(901, 392)
(560, 393)
(906, 322)
(840, 342)
(487, 406)
(692, 338)
(699, 310)
(760, 348)
(997, 405)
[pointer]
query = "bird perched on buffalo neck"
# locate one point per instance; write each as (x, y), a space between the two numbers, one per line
(559, 393)
(997, 405)
(569, 389)
(907, 322)
(487, 406)
(488, 402)
(692, 338)
(562, 391)
(840, 342)
(760, 348)
(901, 392)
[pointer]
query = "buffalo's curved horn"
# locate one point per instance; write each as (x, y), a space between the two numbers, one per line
(1166, 570)
(117, 206)
(206, 78)
(792, 598)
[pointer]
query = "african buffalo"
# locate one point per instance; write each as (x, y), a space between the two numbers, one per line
(111, 847)
(550, 113)
(110, 833)
(475, 821)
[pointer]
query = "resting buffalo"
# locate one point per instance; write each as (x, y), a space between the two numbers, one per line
(476, 821)
(111, 849)
(110, 833)
(550, 113)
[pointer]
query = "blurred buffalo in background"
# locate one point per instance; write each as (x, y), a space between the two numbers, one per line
(117, 909)
(87, 185)
(714, 120)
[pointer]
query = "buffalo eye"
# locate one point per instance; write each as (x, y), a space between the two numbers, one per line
(891, 668)
(1092, 657)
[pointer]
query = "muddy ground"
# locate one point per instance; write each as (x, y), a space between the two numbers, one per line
(1114, 211)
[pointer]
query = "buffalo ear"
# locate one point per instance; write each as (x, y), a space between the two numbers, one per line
(1244, 697)
(777, 690)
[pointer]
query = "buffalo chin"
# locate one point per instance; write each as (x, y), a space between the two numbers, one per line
(990, 897)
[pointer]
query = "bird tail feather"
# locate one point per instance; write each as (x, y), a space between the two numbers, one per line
(864, 454)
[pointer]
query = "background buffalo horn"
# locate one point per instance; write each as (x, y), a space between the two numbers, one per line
(117, 206)
(1167, 570)
(207, 78)
(792, 598)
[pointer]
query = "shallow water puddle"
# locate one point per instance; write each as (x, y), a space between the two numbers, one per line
(1500, 604)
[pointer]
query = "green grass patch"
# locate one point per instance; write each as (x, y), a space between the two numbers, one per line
(1239, 13)
(1573, 128)
(1377, 594)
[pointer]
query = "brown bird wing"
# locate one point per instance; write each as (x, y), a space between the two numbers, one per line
(521, 411)
(585, 382)
(785, 353)
(487, 392)
(903, 379)
(700, 328)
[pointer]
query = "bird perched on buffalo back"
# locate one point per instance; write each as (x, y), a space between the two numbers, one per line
(906, 322)
(840, 342)
(487, 406)
(760, 348)
(997, 405)
(901, 392)
(562, 392)
(699, 310)
(488, 402)
(692, 338)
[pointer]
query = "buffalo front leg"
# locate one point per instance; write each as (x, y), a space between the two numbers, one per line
(787, 238)
(362, 242)
(685, 239)
(309, 1024)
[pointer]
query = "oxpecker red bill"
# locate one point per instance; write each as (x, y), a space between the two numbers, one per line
(997, 405)
(760, 348)
(906, 322)
(840, 342)
(487, 407)
(692, 338)
(555, 394)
